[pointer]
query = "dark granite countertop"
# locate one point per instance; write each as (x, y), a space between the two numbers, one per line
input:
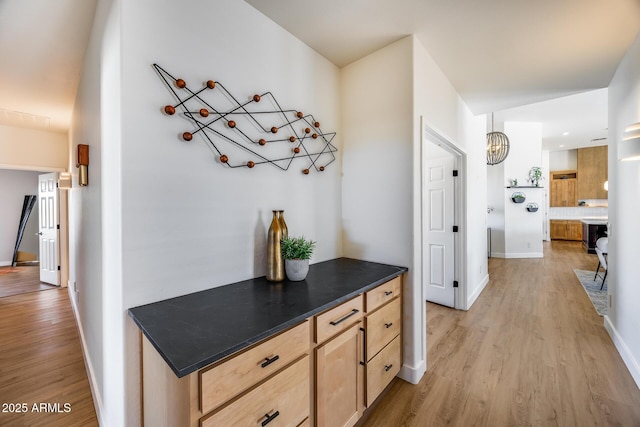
(195, 330)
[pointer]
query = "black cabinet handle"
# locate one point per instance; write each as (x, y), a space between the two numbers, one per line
(269, 418)
(269, 361)
(342, 319)
(364, 347)
(387, 367)
(387, 293)
(388, 325)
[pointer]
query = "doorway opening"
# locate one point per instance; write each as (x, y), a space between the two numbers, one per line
(443, 218)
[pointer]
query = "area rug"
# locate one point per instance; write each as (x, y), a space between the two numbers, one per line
(592, 288)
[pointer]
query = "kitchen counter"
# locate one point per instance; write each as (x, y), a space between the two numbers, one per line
(195, 330)
(595, 221)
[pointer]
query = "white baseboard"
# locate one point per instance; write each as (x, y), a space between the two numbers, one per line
(413, 374)
(627, 357)
(93, 384)
(474, 296)
(524, 255)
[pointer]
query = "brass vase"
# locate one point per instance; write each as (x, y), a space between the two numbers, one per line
(283, 225)
(275, 263)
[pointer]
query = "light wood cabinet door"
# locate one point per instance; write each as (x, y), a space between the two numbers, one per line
(574, 230)
(564, 192)
(338, 380)
(594, 170)
(558, 229)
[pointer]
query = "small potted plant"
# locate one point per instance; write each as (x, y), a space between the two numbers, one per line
(296, 252)
(535, 175)
(518, 197)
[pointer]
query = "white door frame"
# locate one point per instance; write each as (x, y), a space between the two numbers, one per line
(429, 134)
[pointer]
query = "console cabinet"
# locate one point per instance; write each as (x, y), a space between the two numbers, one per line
(322, 372)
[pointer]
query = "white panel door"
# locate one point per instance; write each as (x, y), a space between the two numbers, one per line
(438, 250)
(48, 229)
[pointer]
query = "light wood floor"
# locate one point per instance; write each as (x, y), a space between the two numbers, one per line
(41, 362)
(26, 279)
(532, 351)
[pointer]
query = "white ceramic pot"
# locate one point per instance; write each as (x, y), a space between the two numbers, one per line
(296, 269)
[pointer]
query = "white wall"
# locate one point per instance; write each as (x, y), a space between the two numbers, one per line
(381, 171)
(377, 183)
(496, 201)
(14, 185)
(436, 100)
(563, 160)
(32, 149)
(160, 217)
(523, 229)
(623, 319)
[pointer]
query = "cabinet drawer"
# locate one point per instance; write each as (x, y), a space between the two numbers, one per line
(284, 399)
(338, 318)
(382, 326)
(383, 293)
(228, 379)
(382, 368)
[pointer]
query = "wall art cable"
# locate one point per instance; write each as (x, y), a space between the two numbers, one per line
(249, 133)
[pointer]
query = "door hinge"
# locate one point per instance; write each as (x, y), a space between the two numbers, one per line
(455, 172)
(58, 268)
(455, 283)
(455, 228)
(58, 226)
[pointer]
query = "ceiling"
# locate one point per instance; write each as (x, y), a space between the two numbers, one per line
(498, 54)
(42, 45)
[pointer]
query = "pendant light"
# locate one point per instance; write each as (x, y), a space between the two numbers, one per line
(497, 146)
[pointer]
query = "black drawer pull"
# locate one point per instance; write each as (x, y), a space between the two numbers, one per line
(268, 361)
(387, 367)
(388, 325)
(336, 322)
(270, 418)
(387, 293)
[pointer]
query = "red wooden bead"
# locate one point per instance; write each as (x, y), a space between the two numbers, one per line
(292, 139)
(211, 84)
(250, 164)
(256, 98)
(299, 114)
(181, 83)
(296, 150)
(314, 136)
(187, 136)
(224, 158)
(170, 110)
(204, 112)
(321, 168)
(306, 171)
(317, 124)
(274, 130)
(262, 141)
(231, 123)
(307, 130)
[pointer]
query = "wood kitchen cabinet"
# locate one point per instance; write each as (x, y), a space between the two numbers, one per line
(565, 230)
(563, 189)
(594, 171)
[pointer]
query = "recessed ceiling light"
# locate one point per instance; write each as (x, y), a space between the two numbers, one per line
(565, 134)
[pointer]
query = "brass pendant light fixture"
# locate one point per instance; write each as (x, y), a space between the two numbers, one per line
(497, 146)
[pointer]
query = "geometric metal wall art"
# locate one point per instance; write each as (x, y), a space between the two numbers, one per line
(249, 133)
